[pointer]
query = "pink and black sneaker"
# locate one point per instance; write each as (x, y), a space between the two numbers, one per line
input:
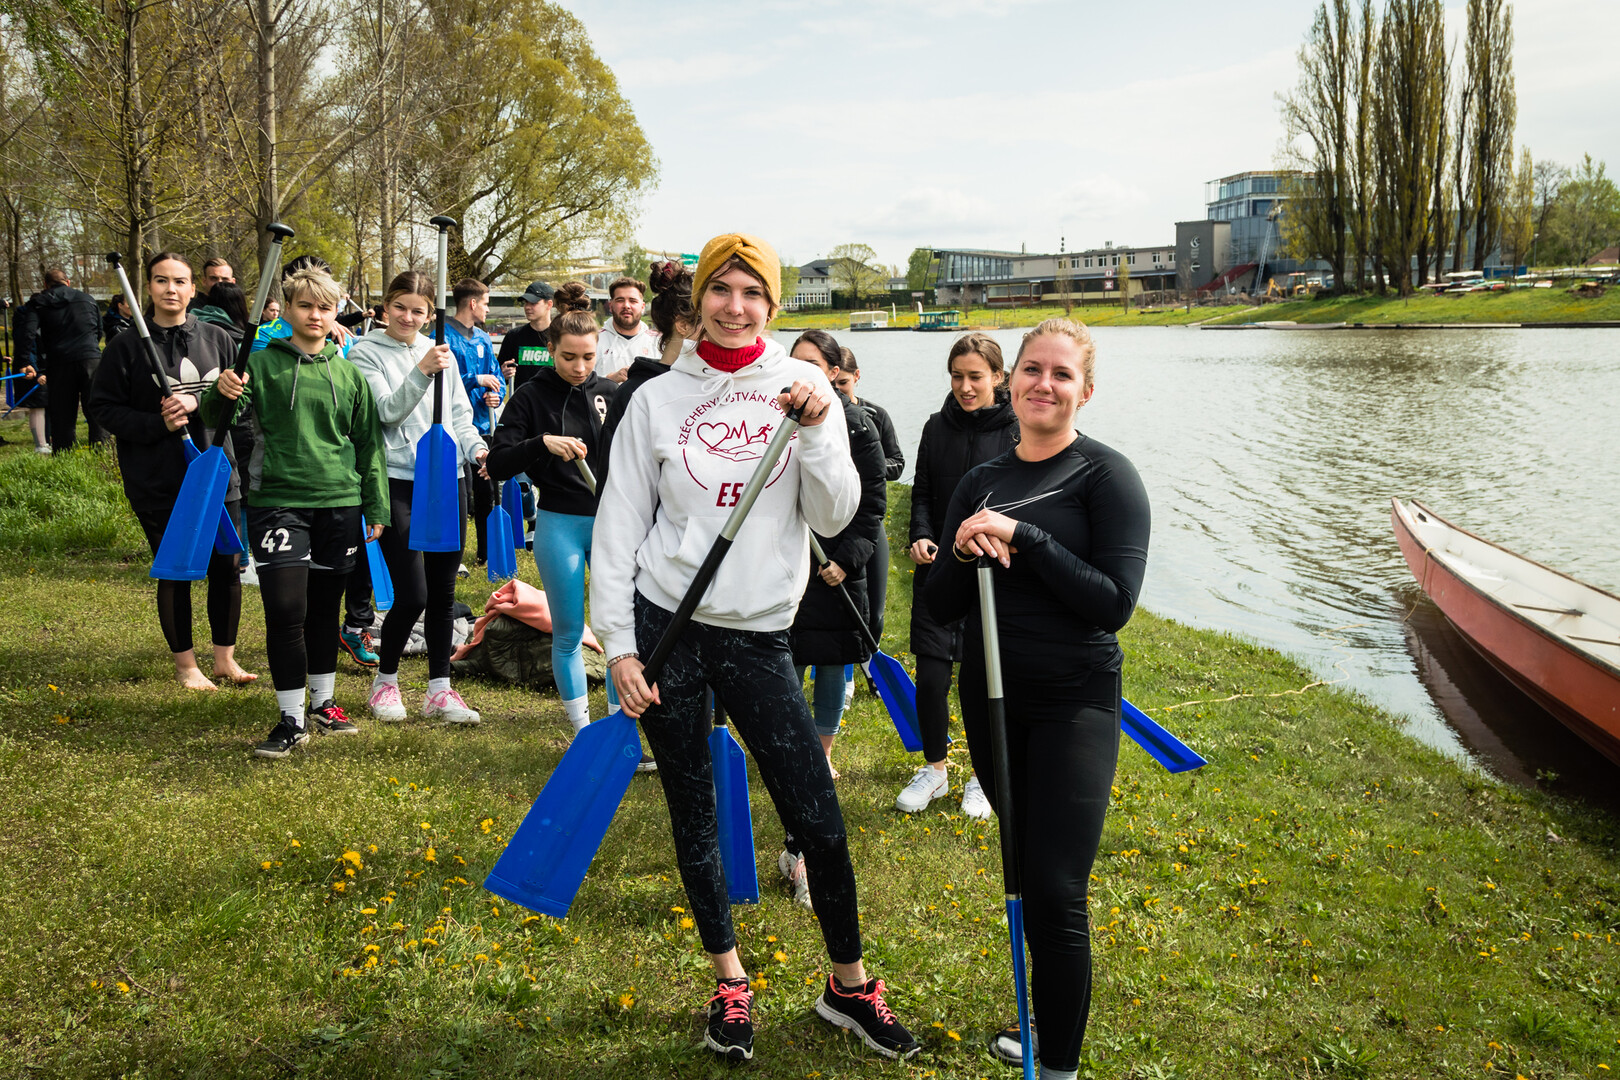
(731, 1020)
(862, 1010)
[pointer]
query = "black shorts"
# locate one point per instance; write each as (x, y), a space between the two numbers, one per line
(326, 538)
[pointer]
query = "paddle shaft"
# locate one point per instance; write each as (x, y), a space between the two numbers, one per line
(654, 666)
(1001, 758)
(586, 474)
(20, 400)
(250, 332)
(438, 319)
(843, 593)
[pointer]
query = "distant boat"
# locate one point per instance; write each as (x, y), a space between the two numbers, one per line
(1555, 638)
(940, 320)
(869, 320)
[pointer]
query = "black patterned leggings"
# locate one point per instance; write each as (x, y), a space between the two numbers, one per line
(752, 671)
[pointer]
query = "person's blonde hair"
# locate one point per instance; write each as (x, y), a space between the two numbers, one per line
(1076, 332)
(314, 283)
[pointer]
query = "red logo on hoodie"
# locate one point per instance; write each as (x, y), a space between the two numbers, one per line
(712, 448)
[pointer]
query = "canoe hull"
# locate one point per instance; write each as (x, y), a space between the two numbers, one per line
(1578, 689)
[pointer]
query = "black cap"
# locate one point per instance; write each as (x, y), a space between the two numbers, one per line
(536, 292)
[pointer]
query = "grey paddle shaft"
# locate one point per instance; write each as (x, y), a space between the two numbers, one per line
(443, 223)
(998, 730)
(722, 544)
(261, 296)
(843, 593)
(586, 474)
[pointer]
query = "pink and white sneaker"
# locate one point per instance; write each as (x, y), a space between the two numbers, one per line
(386, 703)
(447, 706)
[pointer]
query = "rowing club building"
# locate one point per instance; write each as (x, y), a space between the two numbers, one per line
(972, 278)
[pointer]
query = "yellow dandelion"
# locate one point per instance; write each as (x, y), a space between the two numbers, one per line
(372, 948)
(677, 909)
(495, 911)
(265, 865)
(368, 911)
(353, 857)
(339, 886)
(431, 855)
(480, 956)
(294, 844)
(686, 922)
(771, 938)
(95, 984)
(939, 1023)
(123, 987)
(486, 825)
(425, 824)
(626, 1000)
(779, 956)
(953, 1035)
(372, 848)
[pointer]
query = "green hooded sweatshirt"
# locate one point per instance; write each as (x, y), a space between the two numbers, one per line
(317, 440)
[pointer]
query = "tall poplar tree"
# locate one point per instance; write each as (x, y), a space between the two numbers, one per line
(1493, 115)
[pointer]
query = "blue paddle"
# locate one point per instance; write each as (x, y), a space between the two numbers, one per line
(435, 498)
(382, 582)
(1004, 806)
(733, 812)
(546, 859)
(498, 536)
(888, 678)
(1169, 751)
(512, 500)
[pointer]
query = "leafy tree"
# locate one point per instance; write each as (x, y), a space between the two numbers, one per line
(1493, 112)
(790, 281)
(855, 271)
(636, 264)
(1409, 108)
(922, 269)
(1519, 213)
(1587, 216)
(530, 146)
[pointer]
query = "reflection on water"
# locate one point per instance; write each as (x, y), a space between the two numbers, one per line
(1271, 457)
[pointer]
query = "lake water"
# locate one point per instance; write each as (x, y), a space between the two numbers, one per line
(1271, 457)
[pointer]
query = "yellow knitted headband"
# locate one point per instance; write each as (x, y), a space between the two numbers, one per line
(755, 253)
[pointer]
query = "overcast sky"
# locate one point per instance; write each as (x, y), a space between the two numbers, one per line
(999, 123)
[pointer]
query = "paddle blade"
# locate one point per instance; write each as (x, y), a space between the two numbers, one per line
(546, 859)
(502, 556)
(188, 541)
(736, 819)
(382, 583)
(435, 501)
(512, 503)
(899, 696)
(1169, 751)
(1015, 934)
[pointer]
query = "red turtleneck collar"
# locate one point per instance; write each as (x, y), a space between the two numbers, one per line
(730, 360)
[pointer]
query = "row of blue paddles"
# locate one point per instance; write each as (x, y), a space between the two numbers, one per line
(547, 857)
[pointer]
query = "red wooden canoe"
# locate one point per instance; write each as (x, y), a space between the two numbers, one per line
(1555, 638)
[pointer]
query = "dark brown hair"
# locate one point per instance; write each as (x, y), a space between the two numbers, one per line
(823, 343)
(466, 289)
(582, 323)
(627, 283)
(165, 256)
(411, 283)
(846, 362)
(571, 296)
(985, 346)
(672, 300)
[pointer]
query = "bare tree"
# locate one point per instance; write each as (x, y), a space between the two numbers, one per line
(1494, 115)
(1318, 119)
(1410, 116)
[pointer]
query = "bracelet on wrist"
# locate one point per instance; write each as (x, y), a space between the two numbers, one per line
(623, 656)
(961, 557)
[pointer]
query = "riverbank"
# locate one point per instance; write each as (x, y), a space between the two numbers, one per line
(1556, 305)
(973, 318)
(1516, 306)
(1325, 898)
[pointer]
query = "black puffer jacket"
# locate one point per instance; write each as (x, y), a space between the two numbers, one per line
(823, 632)
(58, 324)
(125, 400)
(547, 404)
(953, 441)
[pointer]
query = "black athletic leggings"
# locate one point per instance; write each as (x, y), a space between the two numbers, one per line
(1063, 756)
(300, 622)
(934, 706)
(753, 672)
(174, 597)
(424, 581)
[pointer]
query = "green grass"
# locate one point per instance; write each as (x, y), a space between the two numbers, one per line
(1326, 899)
(1511, 306)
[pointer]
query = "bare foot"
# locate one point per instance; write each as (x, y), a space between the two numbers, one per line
(234, 672)
(193, 679)
(831, 769)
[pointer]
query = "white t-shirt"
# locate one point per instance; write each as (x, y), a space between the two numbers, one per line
(615, 352)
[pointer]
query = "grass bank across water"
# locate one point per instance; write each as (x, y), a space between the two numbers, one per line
(1326, 898)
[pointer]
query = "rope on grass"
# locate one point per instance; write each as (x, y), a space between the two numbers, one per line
(1339, 644)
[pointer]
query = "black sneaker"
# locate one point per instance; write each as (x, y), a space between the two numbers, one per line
(647, 764)
(864, 1012)
(1005, 1045)
(282, 740)
(731, 1021)
(331, 720)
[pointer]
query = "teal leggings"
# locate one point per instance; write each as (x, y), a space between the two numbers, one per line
(562, 551)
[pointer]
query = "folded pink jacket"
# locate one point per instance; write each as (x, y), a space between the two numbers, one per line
(523, 602)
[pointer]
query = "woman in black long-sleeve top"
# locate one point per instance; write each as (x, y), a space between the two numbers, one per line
(823, 633)
(975, 425)
(1067, 520)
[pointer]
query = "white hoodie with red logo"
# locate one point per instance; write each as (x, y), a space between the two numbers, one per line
(681, 456)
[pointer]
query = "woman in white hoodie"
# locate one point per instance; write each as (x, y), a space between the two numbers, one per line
(682, 454)
(399, 363)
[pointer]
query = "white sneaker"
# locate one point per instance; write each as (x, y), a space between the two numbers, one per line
(974, 804)
(849, 694)
(929, 784)
(42, 450)
(386, 703)
(447, 705)
(250, 574)
(793, 871)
